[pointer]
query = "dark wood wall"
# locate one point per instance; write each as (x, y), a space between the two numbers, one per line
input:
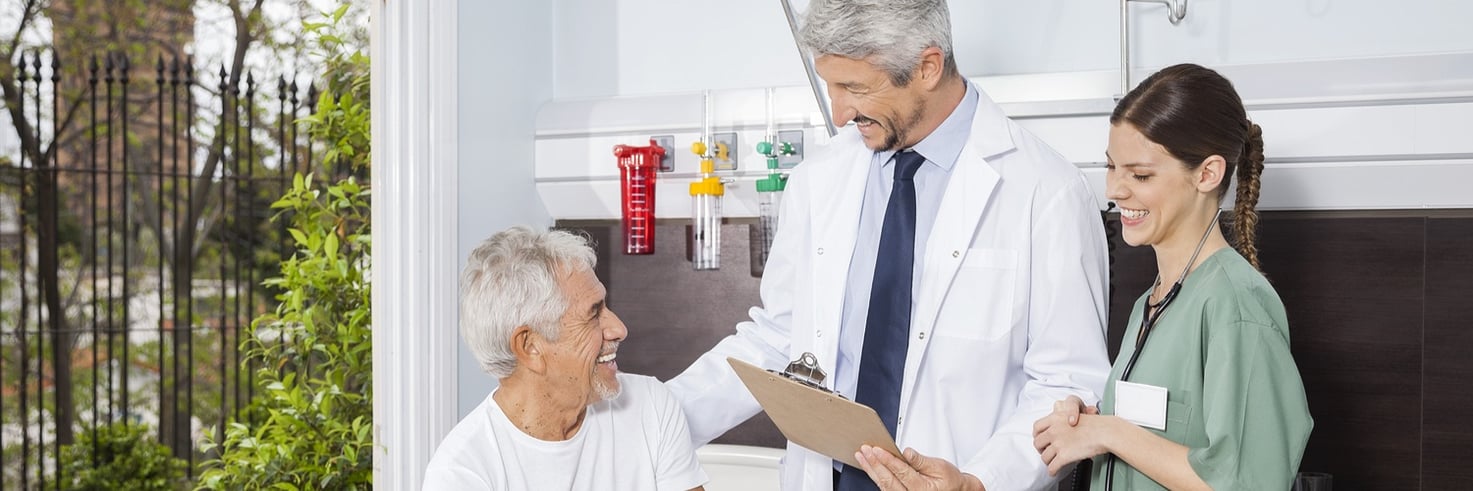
(1381, 324)
(1380, 308)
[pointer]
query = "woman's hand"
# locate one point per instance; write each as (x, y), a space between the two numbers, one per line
(1066, 437)
(916, 472)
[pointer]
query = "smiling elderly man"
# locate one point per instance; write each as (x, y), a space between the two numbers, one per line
(533, 313)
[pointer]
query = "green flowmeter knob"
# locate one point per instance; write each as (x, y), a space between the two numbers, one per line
(772, 183)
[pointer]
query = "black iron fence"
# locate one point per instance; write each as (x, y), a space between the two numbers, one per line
(134, 232)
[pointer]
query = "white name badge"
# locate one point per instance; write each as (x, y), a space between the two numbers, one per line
(1144, 405)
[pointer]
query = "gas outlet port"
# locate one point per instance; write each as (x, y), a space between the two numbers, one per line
(667, 142)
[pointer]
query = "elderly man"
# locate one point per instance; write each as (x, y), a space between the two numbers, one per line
(533, 314)
(943, 264)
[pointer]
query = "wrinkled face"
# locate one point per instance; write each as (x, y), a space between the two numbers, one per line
(582, 359)
(1155, 191)
(862, 92)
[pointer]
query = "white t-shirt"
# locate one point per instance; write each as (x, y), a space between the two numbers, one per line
(637, 441)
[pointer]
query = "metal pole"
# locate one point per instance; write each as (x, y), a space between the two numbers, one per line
(107, 236)
(1124, 47)
(123, 208)
(25, 347)
(250, 300)
(813, 81)
(92, 133)
(226, 109)
(1175, 12)
(188, 256)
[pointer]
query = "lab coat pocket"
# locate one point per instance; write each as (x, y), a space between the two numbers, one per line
(979, 304)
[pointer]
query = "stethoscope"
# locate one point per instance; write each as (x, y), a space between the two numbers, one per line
(1148, 321)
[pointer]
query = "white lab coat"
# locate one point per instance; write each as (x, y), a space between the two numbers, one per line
(1009, 316)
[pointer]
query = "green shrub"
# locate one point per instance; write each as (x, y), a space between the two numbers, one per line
(313, 409)
(127, 457)
(310, 425)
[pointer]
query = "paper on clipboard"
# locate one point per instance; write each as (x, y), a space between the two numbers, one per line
(816, 419)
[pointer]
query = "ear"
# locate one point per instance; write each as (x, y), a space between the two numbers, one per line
(1210, 174)
(528, 346)
(931, 68)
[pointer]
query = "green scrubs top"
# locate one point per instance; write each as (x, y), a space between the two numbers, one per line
(1234, 397)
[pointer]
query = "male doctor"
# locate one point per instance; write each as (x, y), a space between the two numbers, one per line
(946, 266)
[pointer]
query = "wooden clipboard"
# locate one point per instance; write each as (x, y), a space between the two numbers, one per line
(816, 419)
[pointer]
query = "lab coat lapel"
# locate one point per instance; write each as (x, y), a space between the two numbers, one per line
(971, 186)
(835, 221)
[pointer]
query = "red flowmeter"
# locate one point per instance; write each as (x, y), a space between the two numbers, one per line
(637, 167)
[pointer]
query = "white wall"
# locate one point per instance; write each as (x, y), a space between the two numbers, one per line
(1008, 37)
(638, 47)
(616, 47)
(505, 75)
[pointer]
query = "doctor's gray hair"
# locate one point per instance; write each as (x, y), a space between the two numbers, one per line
(888, 33)
(511, 280)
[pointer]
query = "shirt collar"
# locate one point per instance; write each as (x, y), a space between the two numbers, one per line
(944, 145)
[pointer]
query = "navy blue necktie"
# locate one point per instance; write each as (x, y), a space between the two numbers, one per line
(887, 329)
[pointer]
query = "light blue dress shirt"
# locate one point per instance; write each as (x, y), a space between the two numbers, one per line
(941, 149)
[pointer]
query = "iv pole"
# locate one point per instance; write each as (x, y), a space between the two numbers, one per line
(818, 95)
(1176, 10)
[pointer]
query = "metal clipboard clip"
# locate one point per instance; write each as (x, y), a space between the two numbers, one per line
(805, 370)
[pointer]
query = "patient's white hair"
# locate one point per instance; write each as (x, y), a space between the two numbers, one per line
(889, 33)
(509, 281)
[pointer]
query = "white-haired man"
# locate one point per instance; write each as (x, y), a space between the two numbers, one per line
(945, 266)
(563, 417)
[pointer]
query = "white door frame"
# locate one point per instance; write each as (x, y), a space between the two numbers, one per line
(414, 235)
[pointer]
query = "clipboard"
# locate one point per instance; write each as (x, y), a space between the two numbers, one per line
(811, 416)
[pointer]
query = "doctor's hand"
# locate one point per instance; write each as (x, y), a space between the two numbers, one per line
(916, 472)
(1061, 442)
(1070, 408)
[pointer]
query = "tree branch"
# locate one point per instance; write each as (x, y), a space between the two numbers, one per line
(243, 40)
(25, 21)
(62, 127)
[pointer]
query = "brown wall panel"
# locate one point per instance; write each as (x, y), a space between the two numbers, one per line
(1447, 437)
(1353, 291)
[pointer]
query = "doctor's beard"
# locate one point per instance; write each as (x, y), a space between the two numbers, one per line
(895, 133)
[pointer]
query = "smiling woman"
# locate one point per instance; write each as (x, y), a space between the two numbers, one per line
(1217, 401)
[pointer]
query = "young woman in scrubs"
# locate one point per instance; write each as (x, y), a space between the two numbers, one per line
(1204, 393)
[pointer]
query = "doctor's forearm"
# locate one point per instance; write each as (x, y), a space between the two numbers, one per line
(1160, 459)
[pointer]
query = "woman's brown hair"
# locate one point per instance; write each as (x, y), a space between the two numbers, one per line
(1195, 113)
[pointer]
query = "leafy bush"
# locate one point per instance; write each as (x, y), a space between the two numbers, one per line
(127, 457)
(314, 406)
(310, 426)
